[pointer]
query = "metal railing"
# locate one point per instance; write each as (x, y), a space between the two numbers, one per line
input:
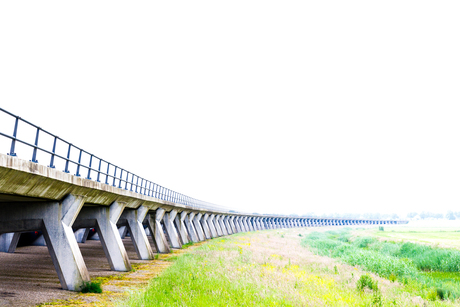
(92, 167)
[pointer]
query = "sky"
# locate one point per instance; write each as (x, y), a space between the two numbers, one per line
(261, 106)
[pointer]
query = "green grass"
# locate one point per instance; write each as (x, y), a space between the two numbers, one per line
(192, 282)
(421, 268)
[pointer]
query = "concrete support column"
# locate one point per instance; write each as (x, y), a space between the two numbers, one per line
(239, 220)
(55, 220)
(228, 224)
(198, 227)
(181, 229)
(215, 231)
(223, 227)
(204, 224)
(168, 220)
(190, 227)
(159, 238)
(9, 241)
(245, 223)
(104, 220)
(249, 223)
(233, 224)
(180, 224)
(133, 219)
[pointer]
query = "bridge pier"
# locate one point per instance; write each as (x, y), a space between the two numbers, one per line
(189, 224)
(55, 220)
(104, 220)
(204, 224)
(133, 220)
(9, 241)
(198, 226)
(168, 220)
(154, 224)
(180, 224)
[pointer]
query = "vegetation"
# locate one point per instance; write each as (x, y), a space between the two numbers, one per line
(273, 269)
(91, 287)
(431, 272)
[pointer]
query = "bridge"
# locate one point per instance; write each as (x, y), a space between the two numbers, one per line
(93, 196)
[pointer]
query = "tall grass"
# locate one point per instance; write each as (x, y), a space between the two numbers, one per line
(191, 281)
(404, 261)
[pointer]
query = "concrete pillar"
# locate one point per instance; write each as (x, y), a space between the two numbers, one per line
(236, 220)
(226, 221)
(180, 225)
(222, 225)
(234, 224)
(133, 219)
(123, 230)
(245, 223)
(154, 224)
(181, 229)
(198, 227)
(215, 231)
(104, 220)
(249, 221)
(204, 224)
(9, 241)
(190, 227)
(168, 221)
(55, 220)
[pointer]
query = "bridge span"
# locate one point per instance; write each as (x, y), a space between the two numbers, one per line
(111, 201)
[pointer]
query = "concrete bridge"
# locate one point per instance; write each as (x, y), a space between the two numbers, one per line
(66, 207)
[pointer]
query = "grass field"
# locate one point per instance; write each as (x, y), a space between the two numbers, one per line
(443, 233)
(273, 268)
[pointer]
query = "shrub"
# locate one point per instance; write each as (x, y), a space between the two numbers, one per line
(366, 281)
(91, 287)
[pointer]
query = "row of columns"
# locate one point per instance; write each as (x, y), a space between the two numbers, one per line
(65, 224)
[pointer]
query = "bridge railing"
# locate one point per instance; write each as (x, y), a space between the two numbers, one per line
(46, 145)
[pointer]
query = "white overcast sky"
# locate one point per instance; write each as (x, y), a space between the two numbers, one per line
(263, 106)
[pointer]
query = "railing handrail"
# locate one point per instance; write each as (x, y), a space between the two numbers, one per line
(136, 184)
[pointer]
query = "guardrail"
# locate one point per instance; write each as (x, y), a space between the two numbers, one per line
(87, 164)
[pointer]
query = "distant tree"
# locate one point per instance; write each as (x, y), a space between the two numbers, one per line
(439, 216)
(411, 215)
(450, 215)
(394, 216)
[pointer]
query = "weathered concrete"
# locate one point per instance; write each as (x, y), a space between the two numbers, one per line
(9, 241)
(190, 227)
(104, 221)
(198, 226)
(170, 229)
(133, 219)
(55, 220)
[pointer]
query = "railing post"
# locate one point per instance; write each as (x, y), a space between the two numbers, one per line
(89, 168)
(99, 170)
(13, 141)
(121, 178)
(67, 160)
(114, 176)
(78, 165)
(107, 174)
(52, 155)
(34, 155)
